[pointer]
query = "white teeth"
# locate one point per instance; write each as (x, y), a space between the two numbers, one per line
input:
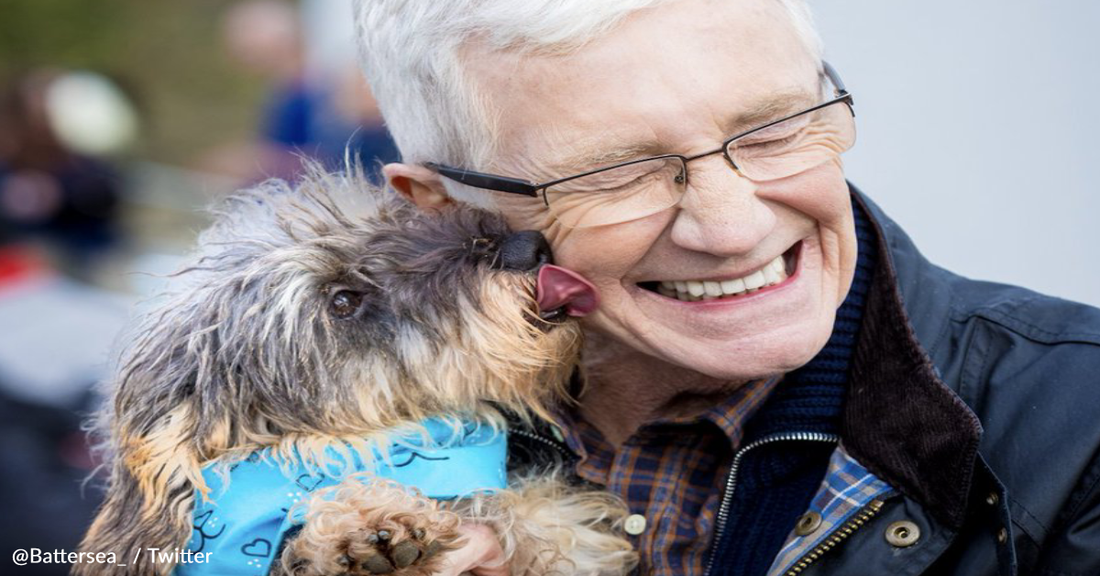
(755, 280)
(770, 274)
(733, 286)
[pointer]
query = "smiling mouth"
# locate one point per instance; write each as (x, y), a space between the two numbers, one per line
(771, 274)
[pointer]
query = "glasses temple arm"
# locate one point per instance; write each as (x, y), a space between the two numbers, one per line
(834, 77)
(485, 181)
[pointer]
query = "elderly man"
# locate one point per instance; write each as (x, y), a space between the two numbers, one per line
(776, 381)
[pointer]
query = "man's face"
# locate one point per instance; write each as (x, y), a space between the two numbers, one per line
(681, 79)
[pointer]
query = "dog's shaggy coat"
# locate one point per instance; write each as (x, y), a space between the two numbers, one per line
(325, 314)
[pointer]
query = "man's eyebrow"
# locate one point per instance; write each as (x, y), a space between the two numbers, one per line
(593, 157)
(774, 107)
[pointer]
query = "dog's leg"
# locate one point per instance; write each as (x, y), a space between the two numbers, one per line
(547, 527)
(369, 527)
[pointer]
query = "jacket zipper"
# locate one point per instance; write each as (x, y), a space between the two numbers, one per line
(731, 478)
(564, 450)
(836, 537)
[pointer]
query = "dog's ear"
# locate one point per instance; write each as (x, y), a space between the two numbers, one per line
(169, 397)
(171, 363)
(155, 431)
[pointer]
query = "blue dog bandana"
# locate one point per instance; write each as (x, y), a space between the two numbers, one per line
(240, 528)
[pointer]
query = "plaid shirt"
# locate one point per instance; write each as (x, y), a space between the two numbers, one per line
(672, 472)
(848, 487)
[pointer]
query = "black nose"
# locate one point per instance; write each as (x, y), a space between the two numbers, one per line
(524, 251)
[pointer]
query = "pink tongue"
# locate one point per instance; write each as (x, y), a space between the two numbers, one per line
(559, 287)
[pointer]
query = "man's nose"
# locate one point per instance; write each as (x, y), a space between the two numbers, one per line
(524, 251)
(720, 212)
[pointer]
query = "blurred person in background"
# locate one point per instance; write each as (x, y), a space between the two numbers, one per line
(317, 118)
(48, 191)
(60, 205)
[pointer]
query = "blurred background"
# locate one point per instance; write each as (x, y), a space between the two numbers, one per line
(120, 120)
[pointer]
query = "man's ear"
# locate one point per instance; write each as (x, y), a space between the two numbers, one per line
(420, 185)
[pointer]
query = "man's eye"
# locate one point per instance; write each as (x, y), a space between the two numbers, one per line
(770, 144)
(630, 181)
(624, 179)
(776, 137)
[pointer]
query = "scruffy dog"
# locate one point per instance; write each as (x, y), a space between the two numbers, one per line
(311, 323)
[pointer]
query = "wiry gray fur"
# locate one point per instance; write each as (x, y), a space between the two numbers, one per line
(244, 351)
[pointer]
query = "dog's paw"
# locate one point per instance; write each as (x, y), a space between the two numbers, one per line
(370, 529)
(407, 547)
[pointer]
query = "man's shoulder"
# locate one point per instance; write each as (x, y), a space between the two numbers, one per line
(937, 300)
(1024, 362)
(1028, 365)
(1039, 318)
(1012, 354)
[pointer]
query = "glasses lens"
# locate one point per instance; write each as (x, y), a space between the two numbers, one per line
(796, 144)
(618, 194)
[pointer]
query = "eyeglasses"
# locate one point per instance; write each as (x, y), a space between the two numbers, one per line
(638, 188)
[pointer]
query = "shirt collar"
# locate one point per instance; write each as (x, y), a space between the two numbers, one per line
(596, 454)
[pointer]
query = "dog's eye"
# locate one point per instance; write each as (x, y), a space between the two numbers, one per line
(346, 303)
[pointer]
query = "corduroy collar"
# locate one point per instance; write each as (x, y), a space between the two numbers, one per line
(900, 419)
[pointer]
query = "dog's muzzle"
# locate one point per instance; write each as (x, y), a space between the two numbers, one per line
(524, 251)
(560, 292)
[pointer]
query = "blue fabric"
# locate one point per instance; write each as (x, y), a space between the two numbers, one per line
(240, 528)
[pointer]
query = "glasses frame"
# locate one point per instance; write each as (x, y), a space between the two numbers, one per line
(528, 188)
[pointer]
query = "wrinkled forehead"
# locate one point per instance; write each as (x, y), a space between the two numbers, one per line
(676, 78)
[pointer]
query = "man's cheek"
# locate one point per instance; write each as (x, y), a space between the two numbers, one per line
(586, 252)
(820, 193)
(834, 200)
(523, 213)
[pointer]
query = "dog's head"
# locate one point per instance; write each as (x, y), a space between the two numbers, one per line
(315, 314)
(332, 308)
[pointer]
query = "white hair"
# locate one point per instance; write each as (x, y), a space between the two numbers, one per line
(411, 52)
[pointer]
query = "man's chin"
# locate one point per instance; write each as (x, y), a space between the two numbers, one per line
(750, 371)
(752, 360)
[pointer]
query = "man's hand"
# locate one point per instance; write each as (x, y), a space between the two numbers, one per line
(480, 556)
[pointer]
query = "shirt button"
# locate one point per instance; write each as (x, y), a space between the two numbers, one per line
(1002, 536)
(807, 524)
(635, 524)
(992, 499)
(902, 534)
